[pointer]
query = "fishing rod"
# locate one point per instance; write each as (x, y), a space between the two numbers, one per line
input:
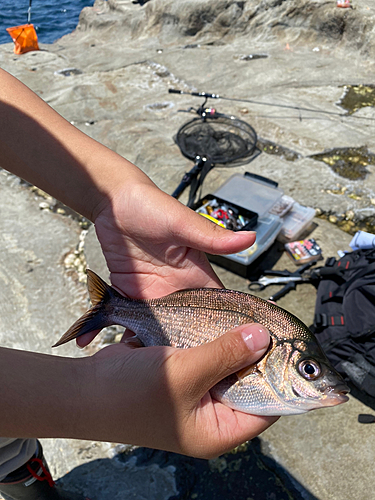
(29, 12)
(207, 95)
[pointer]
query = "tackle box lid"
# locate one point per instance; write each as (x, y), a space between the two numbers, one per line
(251, 191)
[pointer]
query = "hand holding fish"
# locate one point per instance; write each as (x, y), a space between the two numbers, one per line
(154, 245)
(156, 397)
(159, 396)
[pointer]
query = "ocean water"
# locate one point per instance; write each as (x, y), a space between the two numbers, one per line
(52, 18)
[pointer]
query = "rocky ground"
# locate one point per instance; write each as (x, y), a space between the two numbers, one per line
(111, 79)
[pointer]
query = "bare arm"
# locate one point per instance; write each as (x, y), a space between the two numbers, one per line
(156, 397)
(142, 230)
(40, 146)
(148, 256)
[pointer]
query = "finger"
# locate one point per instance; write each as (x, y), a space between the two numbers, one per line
(195, 231)
(241, 347)
(86, 338)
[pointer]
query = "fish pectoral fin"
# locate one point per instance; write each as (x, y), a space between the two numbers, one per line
(134, 342)
(246, 371)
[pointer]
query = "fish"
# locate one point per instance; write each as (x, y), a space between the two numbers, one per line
(294, 376)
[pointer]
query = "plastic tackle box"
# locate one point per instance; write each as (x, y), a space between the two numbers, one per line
(257, 194)
(295, 222)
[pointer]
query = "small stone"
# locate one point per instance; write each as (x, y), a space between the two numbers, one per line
(82, 236)
(332, 219)
(82, 277)
(349, 215)
(318, 211)
(43, 205)
(60, 211)
(355, 196)
(372, 201)
(346, 227)
(77, 262)
(69, 260)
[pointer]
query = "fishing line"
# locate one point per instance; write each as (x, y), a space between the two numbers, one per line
(262, 103)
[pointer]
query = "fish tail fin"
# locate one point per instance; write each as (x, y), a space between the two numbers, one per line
(90, 321)
(93, 319)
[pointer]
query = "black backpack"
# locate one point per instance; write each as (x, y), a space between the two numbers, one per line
(345, 316)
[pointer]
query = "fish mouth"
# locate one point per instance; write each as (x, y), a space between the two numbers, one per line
(336, 395)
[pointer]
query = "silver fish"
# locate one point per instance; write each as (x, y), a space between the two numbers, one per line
(294, 376)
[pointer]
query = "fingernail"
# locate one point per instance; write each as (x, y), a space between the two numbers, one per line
(256, 337)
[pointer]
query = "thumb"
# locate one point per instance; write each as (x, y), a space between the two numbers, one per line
(236, 349)
(197, 232)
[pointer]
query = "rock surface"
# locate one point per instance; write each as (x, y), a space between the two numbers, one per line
(111, 78)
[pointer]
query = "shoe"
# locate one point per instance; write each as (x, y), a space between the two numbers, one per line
(33, 481)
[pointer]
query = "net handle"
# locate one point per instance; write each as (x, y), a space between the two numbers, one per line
(189, 177)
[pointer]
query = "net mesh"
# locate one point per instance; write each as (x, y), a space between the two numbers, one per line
(223, 140)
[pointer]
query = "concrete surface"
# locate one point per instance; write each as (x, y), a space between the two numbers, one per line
(118, 94)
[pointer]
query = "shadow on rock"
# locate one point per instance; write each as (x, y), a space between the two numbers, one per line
(246, 473)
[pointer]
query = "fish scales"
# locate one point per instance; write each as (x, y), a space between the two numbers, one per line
(195, 319)
(216, 311)
(294, 375)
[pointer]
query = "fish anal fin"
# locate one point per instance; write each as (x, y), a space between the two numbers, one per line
(246, 371)
(98, 288)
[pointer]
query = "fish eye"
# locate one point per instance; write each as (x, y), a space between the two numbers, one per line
(309, 369)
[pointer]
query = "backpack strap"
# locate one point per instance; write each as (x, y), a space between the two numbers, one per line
(361, 373)
(340, 291)
(322, 320)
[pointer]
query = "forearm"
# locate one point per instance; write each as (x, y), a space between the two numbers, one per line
(40, 146)
(41, 395)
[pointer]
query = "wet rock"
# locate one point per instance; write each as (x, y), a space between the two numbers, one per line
(356, 97)
(348, 162)
(271, 148)
(333, 219)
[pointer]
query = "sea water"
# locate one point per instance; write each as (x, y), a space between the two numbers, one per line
(52, 18)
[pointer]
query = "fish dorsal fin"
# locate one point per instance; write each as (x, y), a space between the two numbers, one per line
(98, 288)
